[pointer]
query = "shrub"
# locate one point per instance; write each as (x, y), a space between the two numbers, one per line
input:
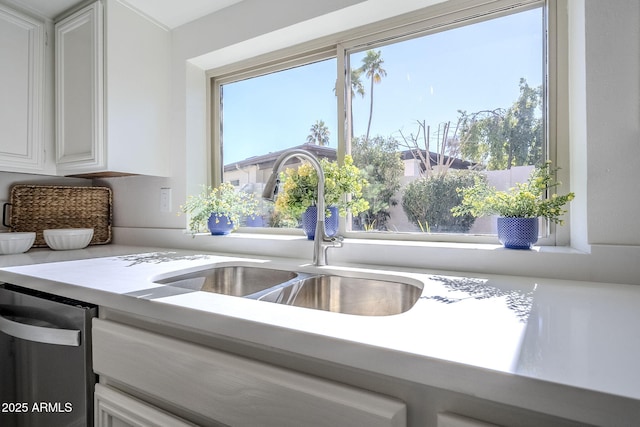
(428, 201)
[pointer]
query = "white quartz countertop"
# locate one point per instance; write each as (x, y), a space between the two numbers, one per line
(517, 340)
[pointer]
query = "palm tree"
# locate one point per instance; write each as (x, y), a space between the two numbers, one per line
(356, 83)
(319, 134)
(356, 88)
(372, 67)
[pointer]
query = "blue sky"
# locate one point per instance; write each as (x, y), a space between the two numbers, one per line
(430, 78)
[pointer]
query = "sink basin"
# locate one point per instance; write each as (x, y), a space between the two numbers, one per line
(349, 295)
(239, 281)
(329, 292)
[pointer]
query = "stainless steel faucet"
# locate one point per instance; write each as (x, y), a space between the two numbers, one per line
(321, 242)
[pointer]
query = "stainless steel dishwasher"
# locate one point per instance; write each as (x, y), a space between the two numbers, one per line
(46, 376)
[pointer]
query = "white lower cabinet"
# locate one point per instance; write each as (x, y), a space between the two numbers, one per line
(116, 409)
(230, 389)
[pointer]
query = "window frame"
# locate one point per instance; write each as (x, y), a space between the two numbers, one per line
(433, 19)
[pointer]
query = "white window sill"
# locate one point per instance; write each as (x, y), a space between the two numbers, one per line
(614, 264)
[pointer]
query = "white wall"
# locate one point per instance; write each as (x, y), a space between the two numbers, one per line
(613, 121)
(604, 116)
(577, 90)
(241, 31)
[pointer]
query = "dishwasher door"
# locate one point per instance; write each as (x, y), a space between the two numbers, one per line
(46, 376)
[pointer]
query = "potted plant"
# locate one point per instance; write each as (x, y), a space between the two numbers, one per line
(519, 208)
(300, 192)
(219, 209)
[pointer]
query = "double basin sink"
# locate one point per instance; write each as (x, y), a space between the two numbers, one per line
(330, 292)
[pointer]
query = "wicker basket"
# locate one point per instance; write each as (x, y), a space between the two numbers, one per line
(40, 207)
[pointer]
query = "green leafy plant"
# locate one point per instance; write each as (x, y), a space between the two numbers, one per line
(223, 200)
(381, 164)
(532, 199)
(427, 202)
(300, 188)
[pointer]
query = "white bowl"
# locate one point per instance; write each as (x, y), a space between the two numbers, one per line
(63, 239)
(16, 242)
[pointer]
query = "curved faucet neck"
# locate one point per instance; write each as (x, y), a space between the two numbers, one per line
(321, 241)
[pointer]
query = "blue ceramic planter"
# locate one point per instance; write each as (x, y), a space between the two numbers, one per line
(309, 220)
(219, 225)
(255, 221)
(518, 233)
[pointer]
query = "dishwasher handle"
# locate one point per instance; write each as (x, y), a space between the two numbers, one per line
(40, 334)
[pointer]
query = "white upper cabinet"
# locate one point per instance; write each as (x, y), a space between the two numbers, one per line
(112, 93)
(79, 90)
(22, 59)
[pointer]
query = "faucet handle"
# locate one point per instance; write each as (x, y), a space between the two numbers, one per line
(328, 243)
(337, 241)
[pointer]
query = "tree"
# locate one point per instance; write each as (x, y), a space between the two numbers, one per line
(484, 139)
(356, 83)
(447, 147)
(356, 88)
(382, 167)
(372, 67)
(319, 134)
(524, 127)
(491, 139)
(501, 139)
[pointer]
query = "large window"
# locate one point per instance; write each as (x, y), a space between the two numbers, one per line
(428, 108)
(263, 115)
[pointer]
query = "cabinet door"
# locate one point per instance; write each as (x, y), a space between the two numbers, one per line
(79, 90)
(116, 409)
(229, 389)
(21, 92)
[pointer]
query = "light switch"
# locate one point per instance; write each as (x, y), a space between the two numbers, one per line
(165, 200)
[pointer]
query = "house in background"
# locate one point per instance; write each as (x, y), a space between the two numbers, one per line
(251, 173)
